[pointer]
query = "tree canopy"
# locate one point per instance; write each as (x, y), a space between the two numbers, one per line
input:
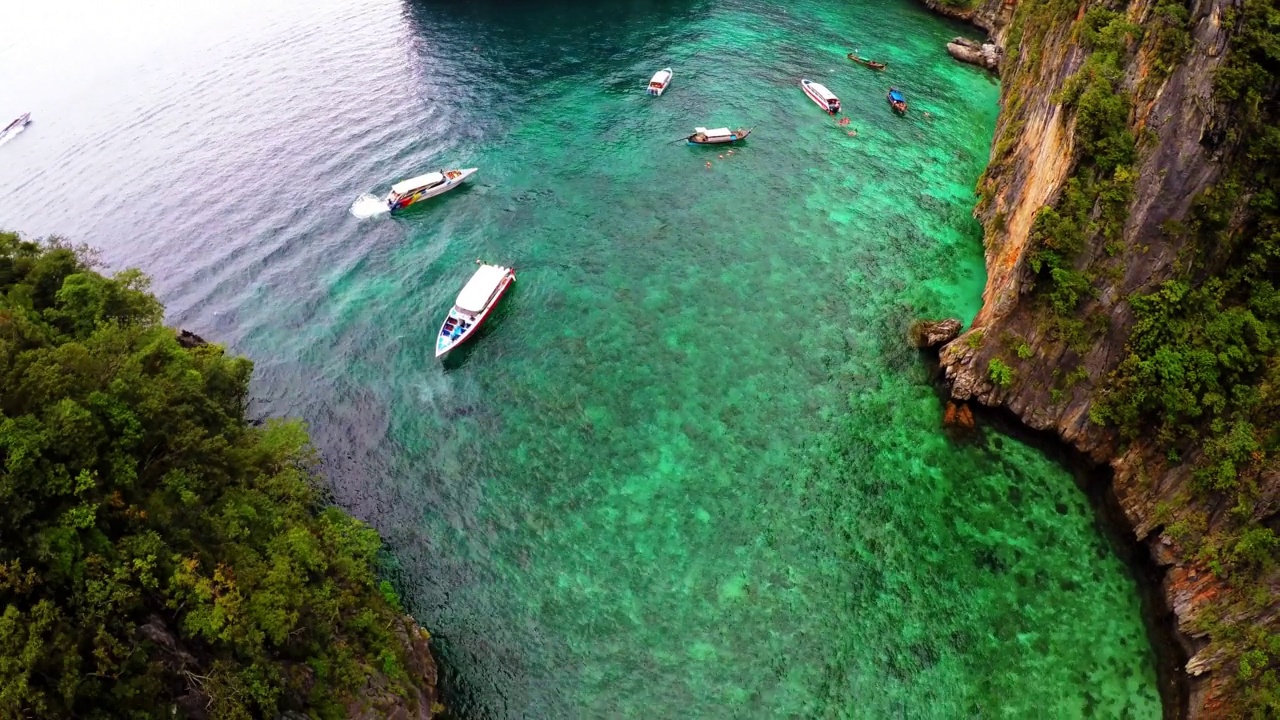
(160, 555)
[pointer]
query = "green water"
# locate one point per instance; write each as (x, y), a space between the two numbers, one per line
(691, 468)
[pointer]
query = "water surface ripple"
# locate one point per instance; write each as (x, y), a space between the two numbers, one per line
(690, 469)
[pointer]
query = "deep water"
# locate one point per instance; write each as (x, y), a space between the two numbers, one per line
(691, 468)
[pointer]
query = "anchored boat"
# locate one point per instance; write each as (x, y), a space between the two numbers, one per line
(660, 81)
(718, 136)
(821, 95)
(897, 101)
(477, 299)
(868, 63)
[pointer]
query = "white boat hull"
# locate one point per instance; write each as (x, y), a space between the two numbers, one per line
(660, 82)
(447, 340)
(818, 99)
(449, 184)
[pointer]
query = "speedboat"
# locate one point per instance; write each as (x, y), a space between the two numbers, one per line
(660, 81)
(407, 192)
(18, 124)
(477, 299)
(897, 101)
(821, 95)
(718, 136)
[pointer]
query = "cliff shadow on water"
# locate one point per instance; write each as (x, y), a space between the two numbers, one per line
(1096, 480)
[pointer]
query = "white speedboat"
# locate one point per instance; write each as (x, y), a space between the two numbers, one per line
(407, 192)
(824, 98)
(660, 81)
(478, 298)
(718, 136)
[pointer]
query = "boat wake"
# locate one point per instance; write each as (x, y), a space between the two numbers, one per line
(366, 206)
(11, 134)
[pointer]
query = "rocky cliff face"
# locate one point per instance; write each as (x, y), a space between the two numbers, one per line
(993, 16)
(1019, 357)
(379, 699)
(380, 702)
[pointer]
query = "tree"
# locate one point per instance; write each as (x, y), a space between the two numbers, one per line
(157, 551)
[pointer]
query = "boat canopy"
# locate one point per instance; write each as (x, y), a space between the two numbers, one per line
(660, 77)
(822, 91)
(479, 290)
(716, 133)
(897, 96)
(428, 180)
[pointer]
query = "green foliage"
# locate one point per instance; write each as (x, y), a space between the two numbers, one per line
(1171, 28)
(1095, 199)
(1023, 350)
(1000, 374)
(136, 501)
(1202, 364)
(974, 339)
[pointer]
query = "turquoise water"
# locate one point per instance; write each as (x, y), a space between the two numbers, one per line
(691, 467)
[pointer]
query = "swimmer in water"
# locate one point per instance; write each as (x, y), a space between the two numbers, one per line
(708, 164)
(721, 157)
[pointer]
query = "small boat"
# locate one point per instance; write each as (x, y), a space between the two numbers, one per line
(718, 136)
(897, 101)
(821, 95)
(660, 81)
(18, 124)
(869, 63)
(478, 298)
(407, 192)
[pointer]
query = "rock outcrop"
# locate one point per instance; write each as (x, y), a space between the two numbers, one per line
(985, 55)
(380, 702)
(1055, 383)
(928, 335)
(993, 16)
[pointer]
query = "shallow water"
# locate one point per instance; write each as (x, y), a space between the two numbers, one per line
(690, 468)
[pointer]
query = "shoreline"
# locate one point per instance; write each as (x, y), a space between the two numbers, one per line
(1095, 480)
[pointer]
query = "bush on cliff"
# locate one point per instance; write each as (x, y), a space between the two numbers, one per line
(159, 555)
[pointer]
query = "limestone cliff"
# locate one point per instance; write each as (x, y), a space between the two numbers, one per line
(993, 16)
(1058, 319)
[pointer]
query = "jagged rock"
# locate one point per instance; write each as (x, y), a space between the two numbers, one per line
(174, 655)
(927, 335)
(188, 340)
(991, 16)
(986, 55)
(380, 702)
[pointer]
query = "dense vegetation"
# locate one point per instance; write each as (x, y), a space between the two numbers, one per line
(1203, 362)
(1200, 376)
(153, 544)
